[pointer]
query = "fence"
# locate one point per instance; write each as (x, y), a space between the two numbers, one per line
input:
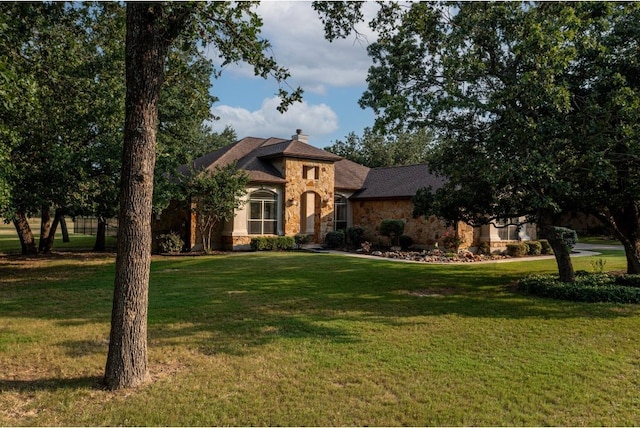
(89, 226)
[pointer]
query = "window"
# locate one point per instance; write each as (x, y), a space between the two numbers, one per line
(340, 212)
(262, 213)
(310, 172)
(510, 232)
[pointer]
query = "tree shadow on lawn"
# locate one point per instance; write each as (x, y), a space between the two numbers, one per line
(51, 384)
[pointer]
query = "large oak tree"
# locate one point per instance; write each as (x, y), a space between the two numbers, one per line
(534, 105)
(234, 30)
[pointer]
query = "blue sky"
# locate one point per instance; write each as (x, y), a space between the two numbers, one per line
(333, 76)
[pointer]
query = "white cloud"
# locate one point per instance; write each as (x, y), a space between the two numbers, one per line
(314, 120)
(297, 38)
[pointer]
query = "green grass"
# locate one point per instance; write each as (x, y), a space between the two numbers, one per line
(316, 339)
(598, 240)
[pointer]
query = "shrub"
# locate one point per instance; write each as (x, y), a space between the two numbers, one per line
(628, 280)
(405, 242)
(301, 239)
(170, 243)
(586, 288)
(569, 236)
(535, 248)
(393, 229)
(450, 240)
(484, 248)
(517, 249)
(269, 243)
(546, 247)
(356, 235)
(334, 239)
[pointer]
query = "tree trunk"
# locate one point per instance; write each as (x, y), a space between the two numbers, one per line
(48, 243)
(625, 224)
(561, 252)
(146, 46)
(27, 241)
(45, 228)
(64, 230)
(101, 235)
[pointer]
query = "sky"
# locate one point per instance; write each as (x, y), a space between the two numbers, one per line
(332, 75)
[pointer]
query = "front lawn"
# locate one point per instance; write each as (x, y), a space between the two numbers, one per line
(316, 339)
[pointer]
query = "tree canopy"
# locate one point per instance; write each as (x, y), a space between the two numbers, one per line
(534, 105)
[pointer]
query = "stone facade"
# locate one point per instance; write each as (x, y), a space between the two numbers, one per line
(424, 232)
(308, 197)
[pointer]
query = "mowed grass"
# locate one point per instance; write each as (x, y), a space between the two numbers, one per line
(316, 339)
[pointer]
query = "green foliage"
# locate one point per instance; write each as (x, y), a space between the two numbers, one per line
(405, 242)
(517, 249)
(598, 265)
(392, 229)
(335, 239)
(301, 239)
(534, 248)
(356, 235)
(378, 150)
(628, 280)
(217, 195)
(546, 247)
(569, 236)
(170, 243)
(484, 248)
(586, 288)
(423, 202)
(536, 96)
(271, 243)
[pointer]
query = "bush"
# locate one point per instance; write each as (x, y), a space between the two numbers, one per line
(484, 248)
(628, 280)
(569, 236)
(405, 242)
(517, 249)
(335, 239)
(535, 248)
(586, 288)
(301, 239)
(356, 235)
(269, 243)
(393, 229)
(170, 243)
(546, 247)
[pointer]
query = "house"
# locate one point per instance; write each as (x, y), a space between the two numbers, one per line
(296, 188)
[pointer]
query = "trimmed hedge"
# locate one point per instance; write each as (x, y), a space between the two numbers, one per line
(546, 247)
(517, 249)
(535, 248)
(586, 288)
(269, 243)
(335, 239)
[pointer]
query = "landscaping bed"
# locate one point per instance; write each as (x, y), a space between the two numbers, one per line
(436, 256)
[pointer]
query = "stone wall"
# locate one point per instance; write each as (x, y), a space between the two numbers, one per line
(308, 192)
(424, 232)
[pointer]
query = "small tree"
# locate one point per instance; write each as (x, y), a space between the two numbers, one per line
(393, 229)
(215, 196)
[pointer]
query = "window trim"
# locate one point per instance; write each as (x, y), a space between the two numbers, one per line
(263, 197)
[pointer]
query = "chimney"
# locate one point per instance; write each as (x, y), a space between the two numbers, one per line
(300, 137)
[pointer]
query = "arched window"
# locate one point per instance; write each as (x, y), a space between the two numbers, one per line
(340, 212)
(262, 213)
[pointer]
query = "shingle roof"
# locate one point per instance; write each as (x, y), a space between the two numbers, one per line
(397, 182)
(350, 175)
(254, 155)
